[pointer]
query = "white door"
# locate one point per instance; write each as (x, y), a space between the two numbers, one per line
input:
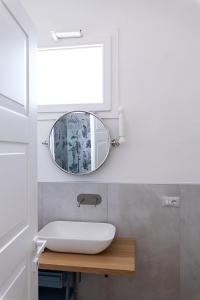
(18, 193)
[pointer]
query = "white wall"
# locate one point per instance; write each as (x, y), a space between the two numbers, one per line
(159, 85)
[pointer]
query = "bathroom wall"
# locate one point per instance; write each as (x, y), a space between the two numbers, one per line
(159, 71)
(168, 263)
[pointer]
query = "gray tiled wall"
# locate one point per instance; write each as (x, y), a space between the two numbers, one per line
(168, 239)
(190, 243)
(57, 201)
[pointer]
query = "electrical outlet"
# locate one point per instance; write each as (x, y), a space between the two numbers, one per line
(171, 201)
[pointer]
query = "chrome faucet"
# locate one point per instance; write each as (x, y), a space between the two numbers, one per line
(80, 201)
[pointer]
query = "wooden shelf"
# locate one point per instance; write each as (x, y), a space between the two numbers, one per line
(118, 259)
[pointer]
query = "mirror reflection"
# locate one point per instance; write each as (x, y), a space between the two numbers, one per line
(79, 142)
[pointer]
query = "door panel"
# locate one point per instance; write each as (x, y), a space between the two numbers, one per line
(18, 192)
(15, 289)
(13, 205)
(18, 133)
(15, 61)
(16, 250)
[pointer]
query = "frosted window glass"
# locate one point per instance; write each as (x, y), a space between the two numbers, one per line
(70, 75)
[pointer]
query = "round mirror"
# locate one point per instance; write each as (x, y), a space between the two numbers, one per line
(79, 142)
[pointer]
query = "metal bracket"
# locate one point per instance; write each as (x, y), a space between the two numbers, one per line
(115, 143)
(46, 143)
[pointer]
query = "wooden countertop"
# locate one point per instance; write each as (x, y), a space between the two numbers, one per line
(118, 259)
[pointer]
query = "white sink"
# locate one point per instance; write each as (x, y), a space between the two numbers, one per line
(77, 237)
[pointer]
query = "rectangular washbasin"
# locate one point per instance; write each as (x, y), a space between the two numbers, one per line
(77, 237)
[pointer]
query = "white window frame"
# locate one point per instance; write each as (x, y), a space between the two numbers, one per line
(107, 76)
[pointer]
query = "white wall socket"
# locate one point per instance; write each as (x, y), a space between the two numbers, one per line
(171, 201)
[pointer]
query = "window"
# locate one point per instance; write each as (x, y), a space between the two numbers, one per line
(75, 77)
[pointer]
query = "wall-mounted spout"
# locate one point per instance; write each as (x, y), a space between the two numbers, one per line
(89, 199)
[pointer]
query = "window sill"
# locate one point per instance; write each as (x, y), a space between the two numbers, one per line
(48, 116)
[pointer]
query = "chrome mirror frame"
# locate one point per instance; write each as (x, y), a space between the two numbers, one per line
(106, 156)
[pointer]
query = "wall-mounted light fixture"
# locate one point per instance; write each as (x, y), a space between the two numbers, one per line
(66, 35)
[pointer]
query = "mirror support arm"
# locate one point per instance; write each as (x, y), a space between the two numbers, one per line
(45, 142)
(118, 141)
